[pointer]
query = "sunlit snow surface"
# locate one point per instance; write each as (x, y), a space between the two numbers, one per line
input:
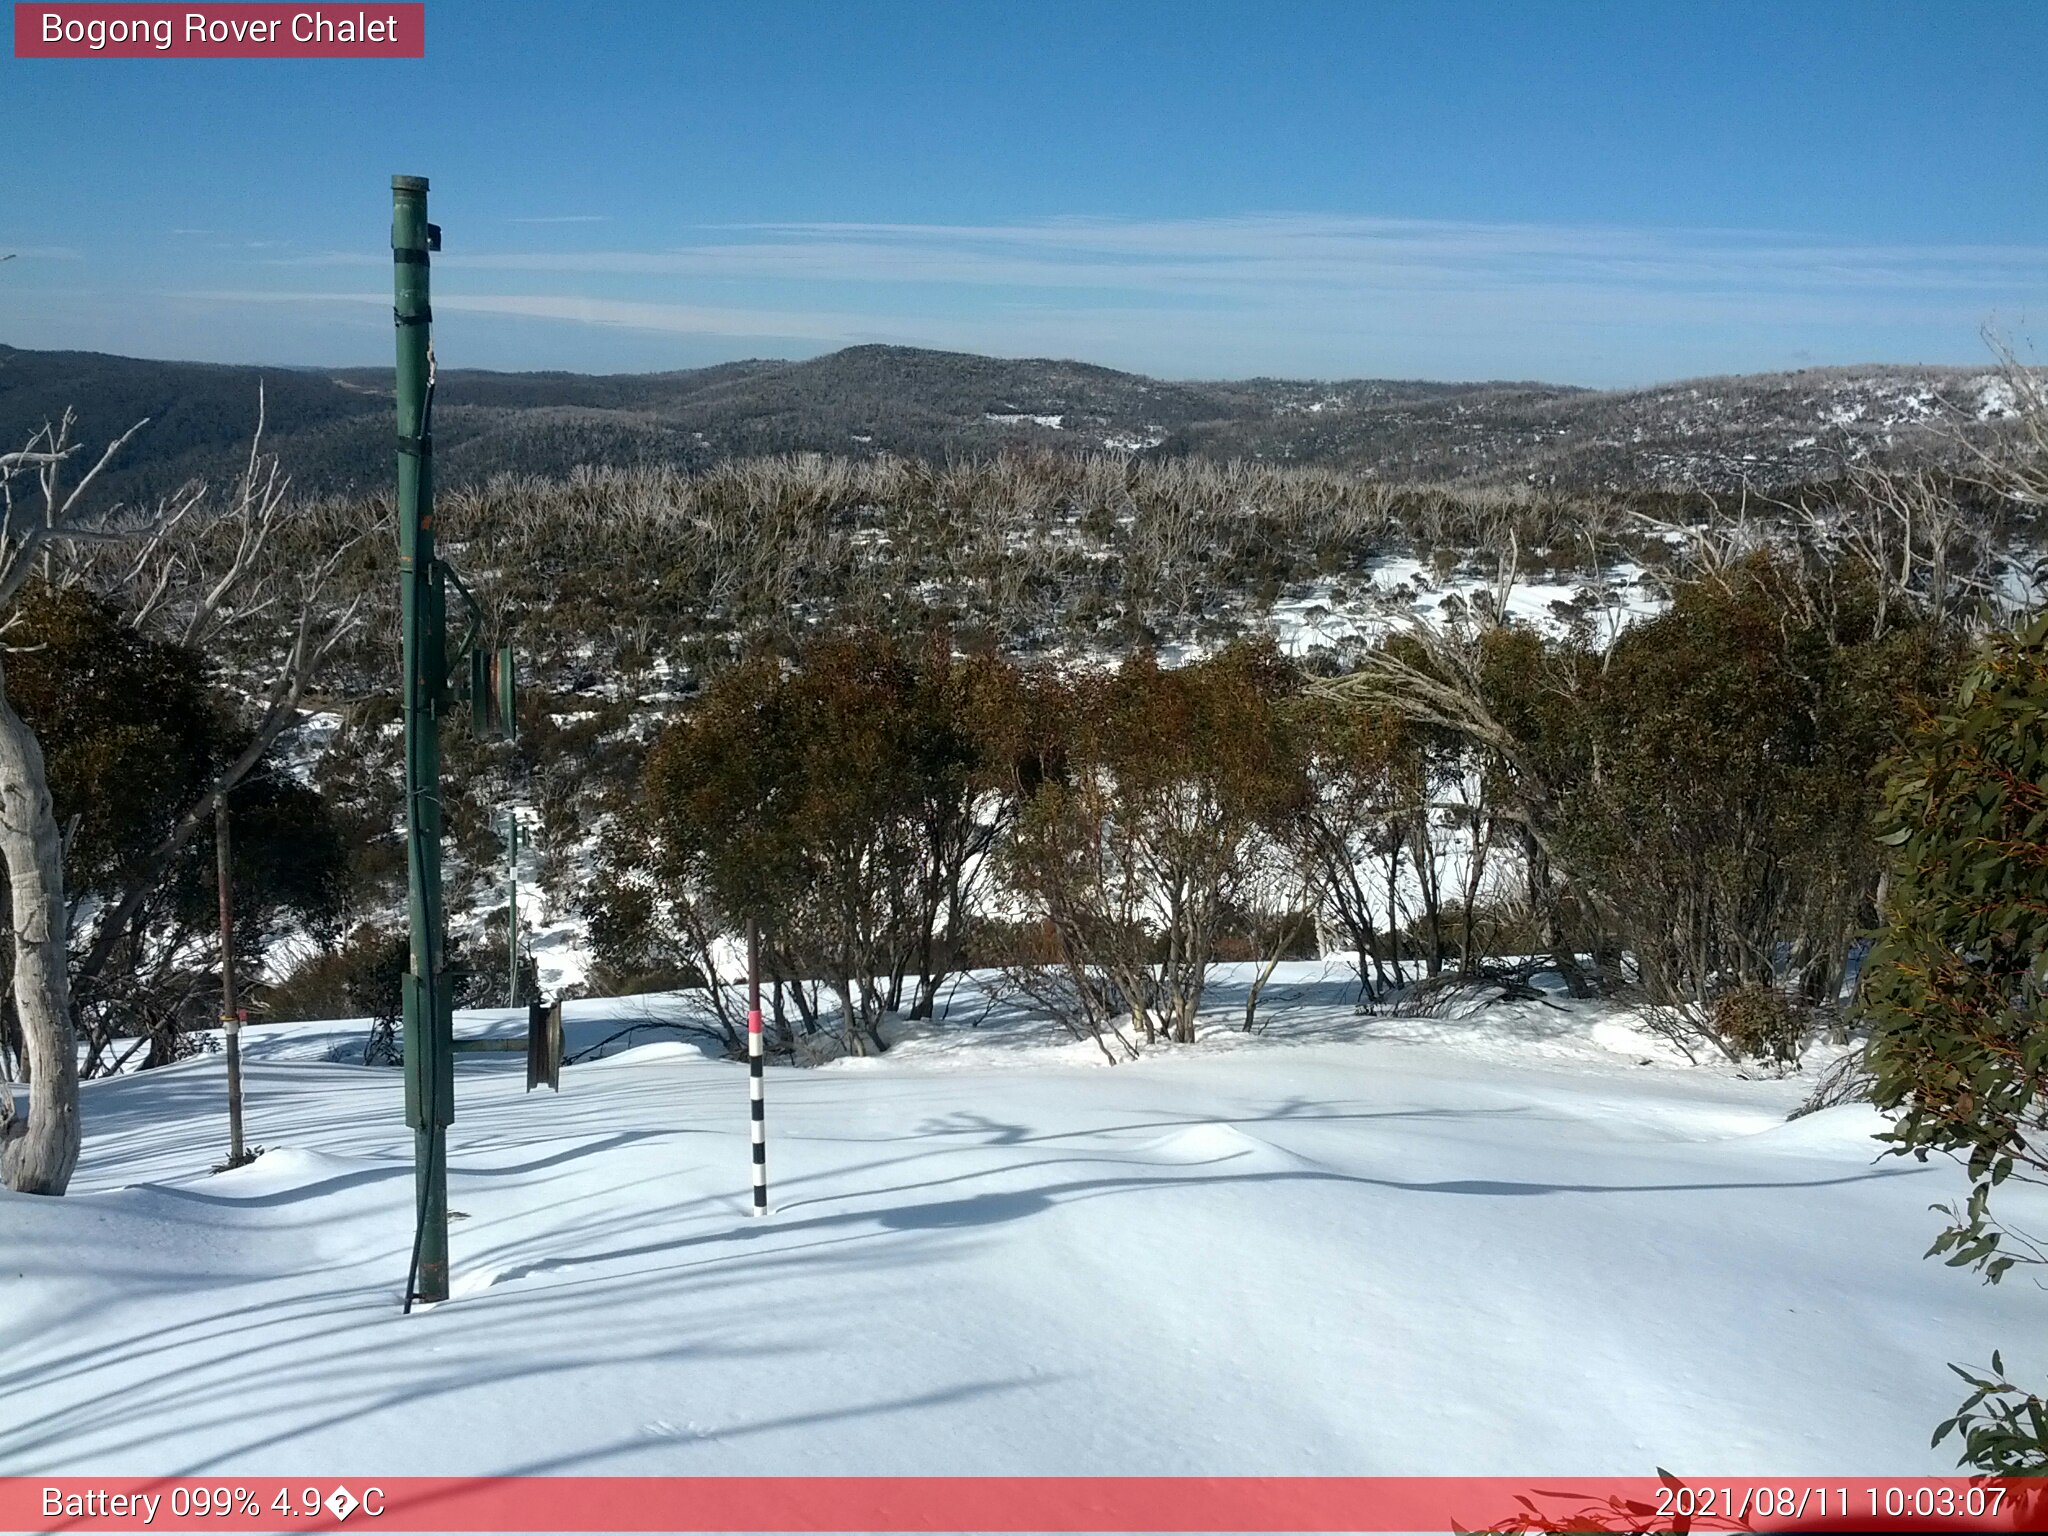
(1341, 619)
(1524, 1242)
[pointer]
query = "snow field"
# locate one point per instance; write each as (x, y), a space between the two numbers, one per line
(1495, 1245)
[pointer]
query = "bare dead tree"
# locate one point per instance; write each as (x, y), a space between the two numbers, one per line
(210, 576)
(1283, 895)
(2017, 466)
(1439, 681)
(1444, 688)
(1919, 551)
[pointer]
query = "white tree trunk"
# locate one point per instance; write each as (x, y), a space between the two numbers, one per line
(38, 1152)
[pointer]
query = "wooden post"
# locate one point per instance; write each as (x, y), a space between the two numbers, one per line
(512, 906)
(230, 1009)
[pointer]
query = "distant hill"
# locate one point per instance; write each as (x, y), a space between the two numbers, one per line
(333, 427)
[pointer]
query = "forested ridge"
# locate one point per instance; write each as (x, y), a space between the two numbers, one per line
(331, 425)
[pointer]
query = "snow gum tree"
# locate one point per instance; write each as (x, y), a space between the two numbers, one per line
(1141, 847)
(1722, 816)
(1348, 827)
(1514, 702)
(190, 572)
(844, 803)
(119, 777)
(39, 1150)
(1692, 802)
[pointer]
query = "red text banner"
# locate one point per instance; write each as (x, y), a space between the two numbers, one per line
(1136, 1504)
(107, 29)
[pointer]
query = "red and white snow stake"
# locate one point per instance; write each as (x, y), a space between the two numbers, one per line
(757, 1105)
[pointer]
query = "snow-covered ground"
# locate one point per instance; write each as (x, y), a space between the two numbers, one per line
(1520, 1243)
(1340, 618)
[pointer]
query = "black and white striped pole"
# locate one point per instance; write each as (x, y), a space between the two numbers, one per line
(757, 1106)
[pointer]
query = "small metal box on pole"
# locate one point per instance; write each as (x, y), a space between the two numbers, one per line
(502, 690)
(544, 1046)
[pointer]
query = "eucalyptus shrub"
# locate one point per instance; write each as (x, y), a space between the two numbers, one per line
(1956, 993)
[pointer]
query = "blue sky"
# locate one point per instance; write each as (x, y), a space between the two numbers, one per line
(1582, 192)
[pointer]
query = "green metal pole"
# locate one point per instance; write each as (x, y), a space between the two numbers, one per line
(429, 1015)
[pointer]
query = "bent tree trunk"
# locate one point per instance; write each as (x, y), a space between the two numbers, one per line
(39, 1152)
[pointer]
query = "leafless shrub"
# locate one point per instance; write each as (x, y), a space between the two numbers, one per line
(1848, 1079)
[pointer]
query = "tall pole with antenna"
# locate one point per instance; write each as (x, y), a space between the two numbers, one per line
(423, 582)
(429, 1000)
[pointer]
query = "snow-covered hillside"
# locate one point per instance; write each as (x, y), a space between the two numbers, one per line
(1523, 1243)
